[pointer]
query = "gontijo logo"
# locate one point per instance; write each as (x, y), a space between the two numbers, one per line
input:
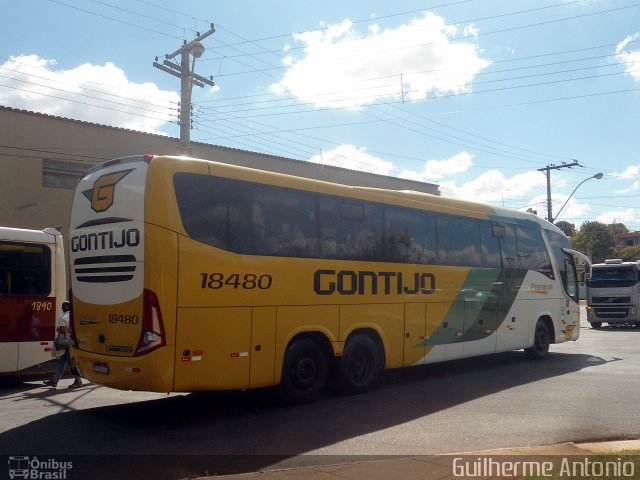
(102, 194)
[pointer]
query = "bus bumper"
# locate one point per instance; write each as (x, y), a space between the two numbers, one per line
(149, 373)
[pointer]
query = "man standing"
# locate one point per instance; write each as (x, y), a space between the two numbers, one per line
(65, 359)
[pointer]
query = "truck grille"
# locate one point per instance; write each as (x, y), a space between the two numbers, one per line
(610, 299)
(611, 312)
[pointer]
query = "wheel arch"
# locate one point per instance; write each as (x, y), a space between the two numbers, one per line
(550, 327)
(375, 336)
(317, 336)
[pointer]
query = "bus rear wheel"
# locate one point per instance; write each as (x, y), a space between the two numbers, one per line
(360, 365)
(304, 372)
(541, 342)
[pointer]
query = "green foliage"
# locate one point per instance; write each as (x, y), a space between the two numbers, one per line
(619, 228)
(569, 229)
(594, 239)
(630, 254)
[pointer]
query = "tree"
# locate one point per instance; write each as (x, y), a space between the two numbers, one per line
(594, 239)
(630, 254)
(569, 229)
(619, 228)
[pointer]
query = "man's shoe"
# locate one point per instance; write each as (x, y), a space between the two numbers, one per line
(76, 384)
(50, 383)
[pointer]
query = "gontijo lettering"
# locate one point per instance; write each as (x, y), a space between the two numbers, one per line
(348, 282)
(106, 240)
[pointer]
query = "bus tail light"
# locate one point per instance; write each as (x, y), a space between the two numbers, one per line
(152, 335)
(72, 327)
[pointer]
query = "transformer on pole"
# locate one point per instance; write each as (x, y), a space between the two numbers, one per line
(188, 78)
(547, 171)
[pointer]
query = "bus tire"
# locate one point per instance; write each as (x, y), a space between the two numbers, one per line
(541, 342)
(304, 372)
(360, 365)
(596, 325)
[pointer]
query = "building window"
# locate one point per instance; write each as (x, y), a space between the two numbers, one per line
(61, 174)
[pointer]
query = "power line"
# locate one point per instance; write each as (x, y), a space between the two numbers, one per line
(85, 103)
(115, 19)
(474, 36)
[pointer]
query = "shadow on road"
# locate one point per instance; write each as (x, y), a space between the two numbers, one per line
(216, 433)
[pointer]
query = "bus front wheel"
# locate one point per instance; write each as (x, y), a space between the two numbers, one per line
(541, 342)
(359, 365)
(304, 372)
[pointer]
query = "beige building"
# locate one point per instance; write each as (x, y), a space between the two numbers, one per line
(42, 156)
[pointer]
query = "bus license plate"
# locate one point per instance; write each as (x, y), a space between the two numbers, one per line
(101, 367)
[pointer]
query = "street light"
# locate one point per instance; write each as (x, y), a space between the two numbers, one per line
(597, 176)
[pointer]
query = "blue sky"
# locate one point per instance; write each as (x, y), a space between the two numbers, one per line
(474, 95)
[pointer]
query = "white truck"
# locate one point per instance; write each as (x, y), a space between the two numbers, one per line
(613, 293)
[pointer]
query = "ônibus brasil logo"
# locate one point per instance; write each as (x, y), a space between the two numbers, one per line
(35, 468)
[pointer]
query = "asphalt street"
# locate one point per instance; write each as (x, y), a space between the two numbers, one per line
(584, 391)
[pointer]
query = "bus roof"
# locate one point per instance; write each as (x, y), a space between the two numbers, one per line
(617, 265)
(48, 235)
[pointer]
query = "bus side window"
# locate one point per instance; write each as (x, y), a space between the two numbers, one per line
(458, 241)
(284, 222)
(203, 208)
(4, 285)
(355, 228)
(26, 269)
(532, 252)
(410, 236)
(508, 248)
(491, 235)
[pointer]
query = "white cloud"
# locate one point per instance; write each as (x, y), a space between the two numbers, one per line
(353, 158)
(631, 59)
(572, 210)
(436, 169)
(342, 68)
(471, 31)
(632, 171)
(626, 216)
(493, 186)
(94, 93)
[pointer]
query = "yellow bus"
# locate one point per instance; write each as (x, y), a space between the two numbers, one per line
(196, 275)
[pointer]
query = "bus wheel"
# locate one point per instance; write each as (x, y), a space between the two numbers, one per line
(304, 372)
(596, 325)
(359, 365)
(541, 342)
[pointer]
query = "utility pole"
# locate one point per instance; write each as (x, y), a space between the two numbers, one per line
(188, 78)
(547, 171)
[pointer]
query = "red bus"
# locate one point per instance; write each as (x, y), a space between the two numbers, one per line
(32, 289)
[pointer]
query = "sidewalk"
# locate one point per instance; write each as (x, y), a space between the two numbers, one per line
(440, 467)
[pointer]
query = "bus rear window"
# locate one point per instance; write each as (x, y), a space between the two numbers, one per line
(24, 269)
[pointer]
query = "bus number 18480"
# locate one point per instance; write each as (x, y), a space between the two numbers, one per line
(248, 281)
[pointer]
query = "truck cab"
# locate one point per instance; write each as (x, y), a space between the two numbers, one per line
(613, 293)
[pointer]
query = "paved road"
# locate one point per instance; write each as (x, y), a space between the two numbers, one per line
(585, 390)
